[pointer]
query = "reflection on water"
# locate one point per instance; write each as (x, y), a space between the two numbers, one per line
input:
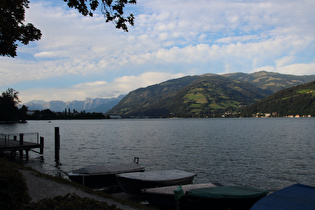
(265, 153)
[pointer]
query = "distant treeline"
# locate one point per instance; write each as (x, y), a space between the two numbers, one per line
(47, 114)
(11, 113)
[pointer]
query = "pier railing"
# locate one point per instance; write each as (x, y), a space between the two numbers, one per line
(21, 141)
(27, 137)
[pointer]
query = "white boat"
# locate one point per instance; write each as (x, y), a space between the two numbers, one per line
(102, 175)
(134, 182)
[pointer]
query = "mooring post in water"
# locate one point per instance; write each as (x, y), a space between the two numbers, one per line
(26, 154)
(21, 143)
(57, 144)
(21, 138)
(41, 141)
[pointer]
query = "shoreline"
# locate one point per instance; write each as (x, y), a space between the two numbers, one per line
(41, 187)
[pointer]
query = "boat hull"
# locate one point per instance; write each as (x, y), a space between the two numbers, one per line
(223, 197)
(94, 181)
(294, 197)
(163, 197)
(132, 183)
(101, 175)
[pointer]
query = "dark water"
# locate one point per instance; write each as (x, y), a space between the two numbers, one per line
(264, 153)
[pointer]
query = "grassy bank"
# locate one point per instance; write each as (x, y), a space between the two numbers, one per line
(14, 192)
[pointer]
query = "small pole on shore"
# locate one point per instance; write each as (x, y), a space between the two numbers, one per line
(57, 144)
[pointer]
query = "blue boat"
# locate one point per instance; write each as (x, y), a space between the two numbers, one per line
(294, 197)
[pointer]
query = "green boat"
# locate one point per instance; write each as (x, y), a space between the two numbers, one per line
(222, 197)
(163, 197)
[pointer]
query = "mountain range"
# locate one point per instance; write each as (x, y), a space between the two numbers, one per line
(207, 95)
(88, 105)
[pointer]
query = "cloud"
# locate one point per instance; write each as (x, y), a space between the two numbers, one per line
(170, 37)
(90, 84)
(97, 89)
(51, 54)
(284, 61)
(236, 39)
(170, 32)
(297, 69)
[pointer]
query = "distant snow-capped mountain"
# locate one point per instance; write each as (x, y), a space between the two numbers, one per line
(88, 105)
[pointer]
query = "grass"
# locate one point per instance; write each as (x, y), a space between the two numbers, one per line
(215, 106)
(195, 106)
(308, 91)
(197, 98)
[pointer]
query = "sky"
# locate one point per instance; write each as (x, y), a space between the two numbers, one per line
(84, 57)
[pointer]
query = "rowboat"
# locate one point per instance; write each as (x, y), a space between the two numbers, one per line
(294, 197)
(222, 197)
(132, 183)
(102, 175)
(164, 197)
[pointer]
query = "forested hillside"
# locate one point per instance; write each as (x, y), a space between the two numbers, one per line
(201, 96)
(152, 100)
(207, 95)
(298, 100)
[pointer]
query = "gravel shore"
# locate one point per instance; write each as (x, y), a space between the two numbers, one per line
(40, 187)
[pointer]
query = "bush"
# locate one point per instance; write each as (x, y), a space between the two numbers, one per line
(69, 202)
(13, 188)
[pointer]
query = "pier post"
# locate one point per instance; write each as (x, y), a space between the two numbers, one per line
(26, 153)
(21, 138)
(13, 153)
(41, 141)
(57, 144)
(21, 143)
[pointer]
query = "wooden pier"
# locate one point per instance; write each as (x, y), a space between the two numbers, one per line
(14, 145)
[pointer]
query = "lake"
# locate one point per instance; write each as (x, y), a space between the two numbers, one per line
(268, 153)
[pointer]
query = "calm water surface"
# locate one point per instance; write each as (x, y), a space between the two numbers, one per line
(265, 153)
